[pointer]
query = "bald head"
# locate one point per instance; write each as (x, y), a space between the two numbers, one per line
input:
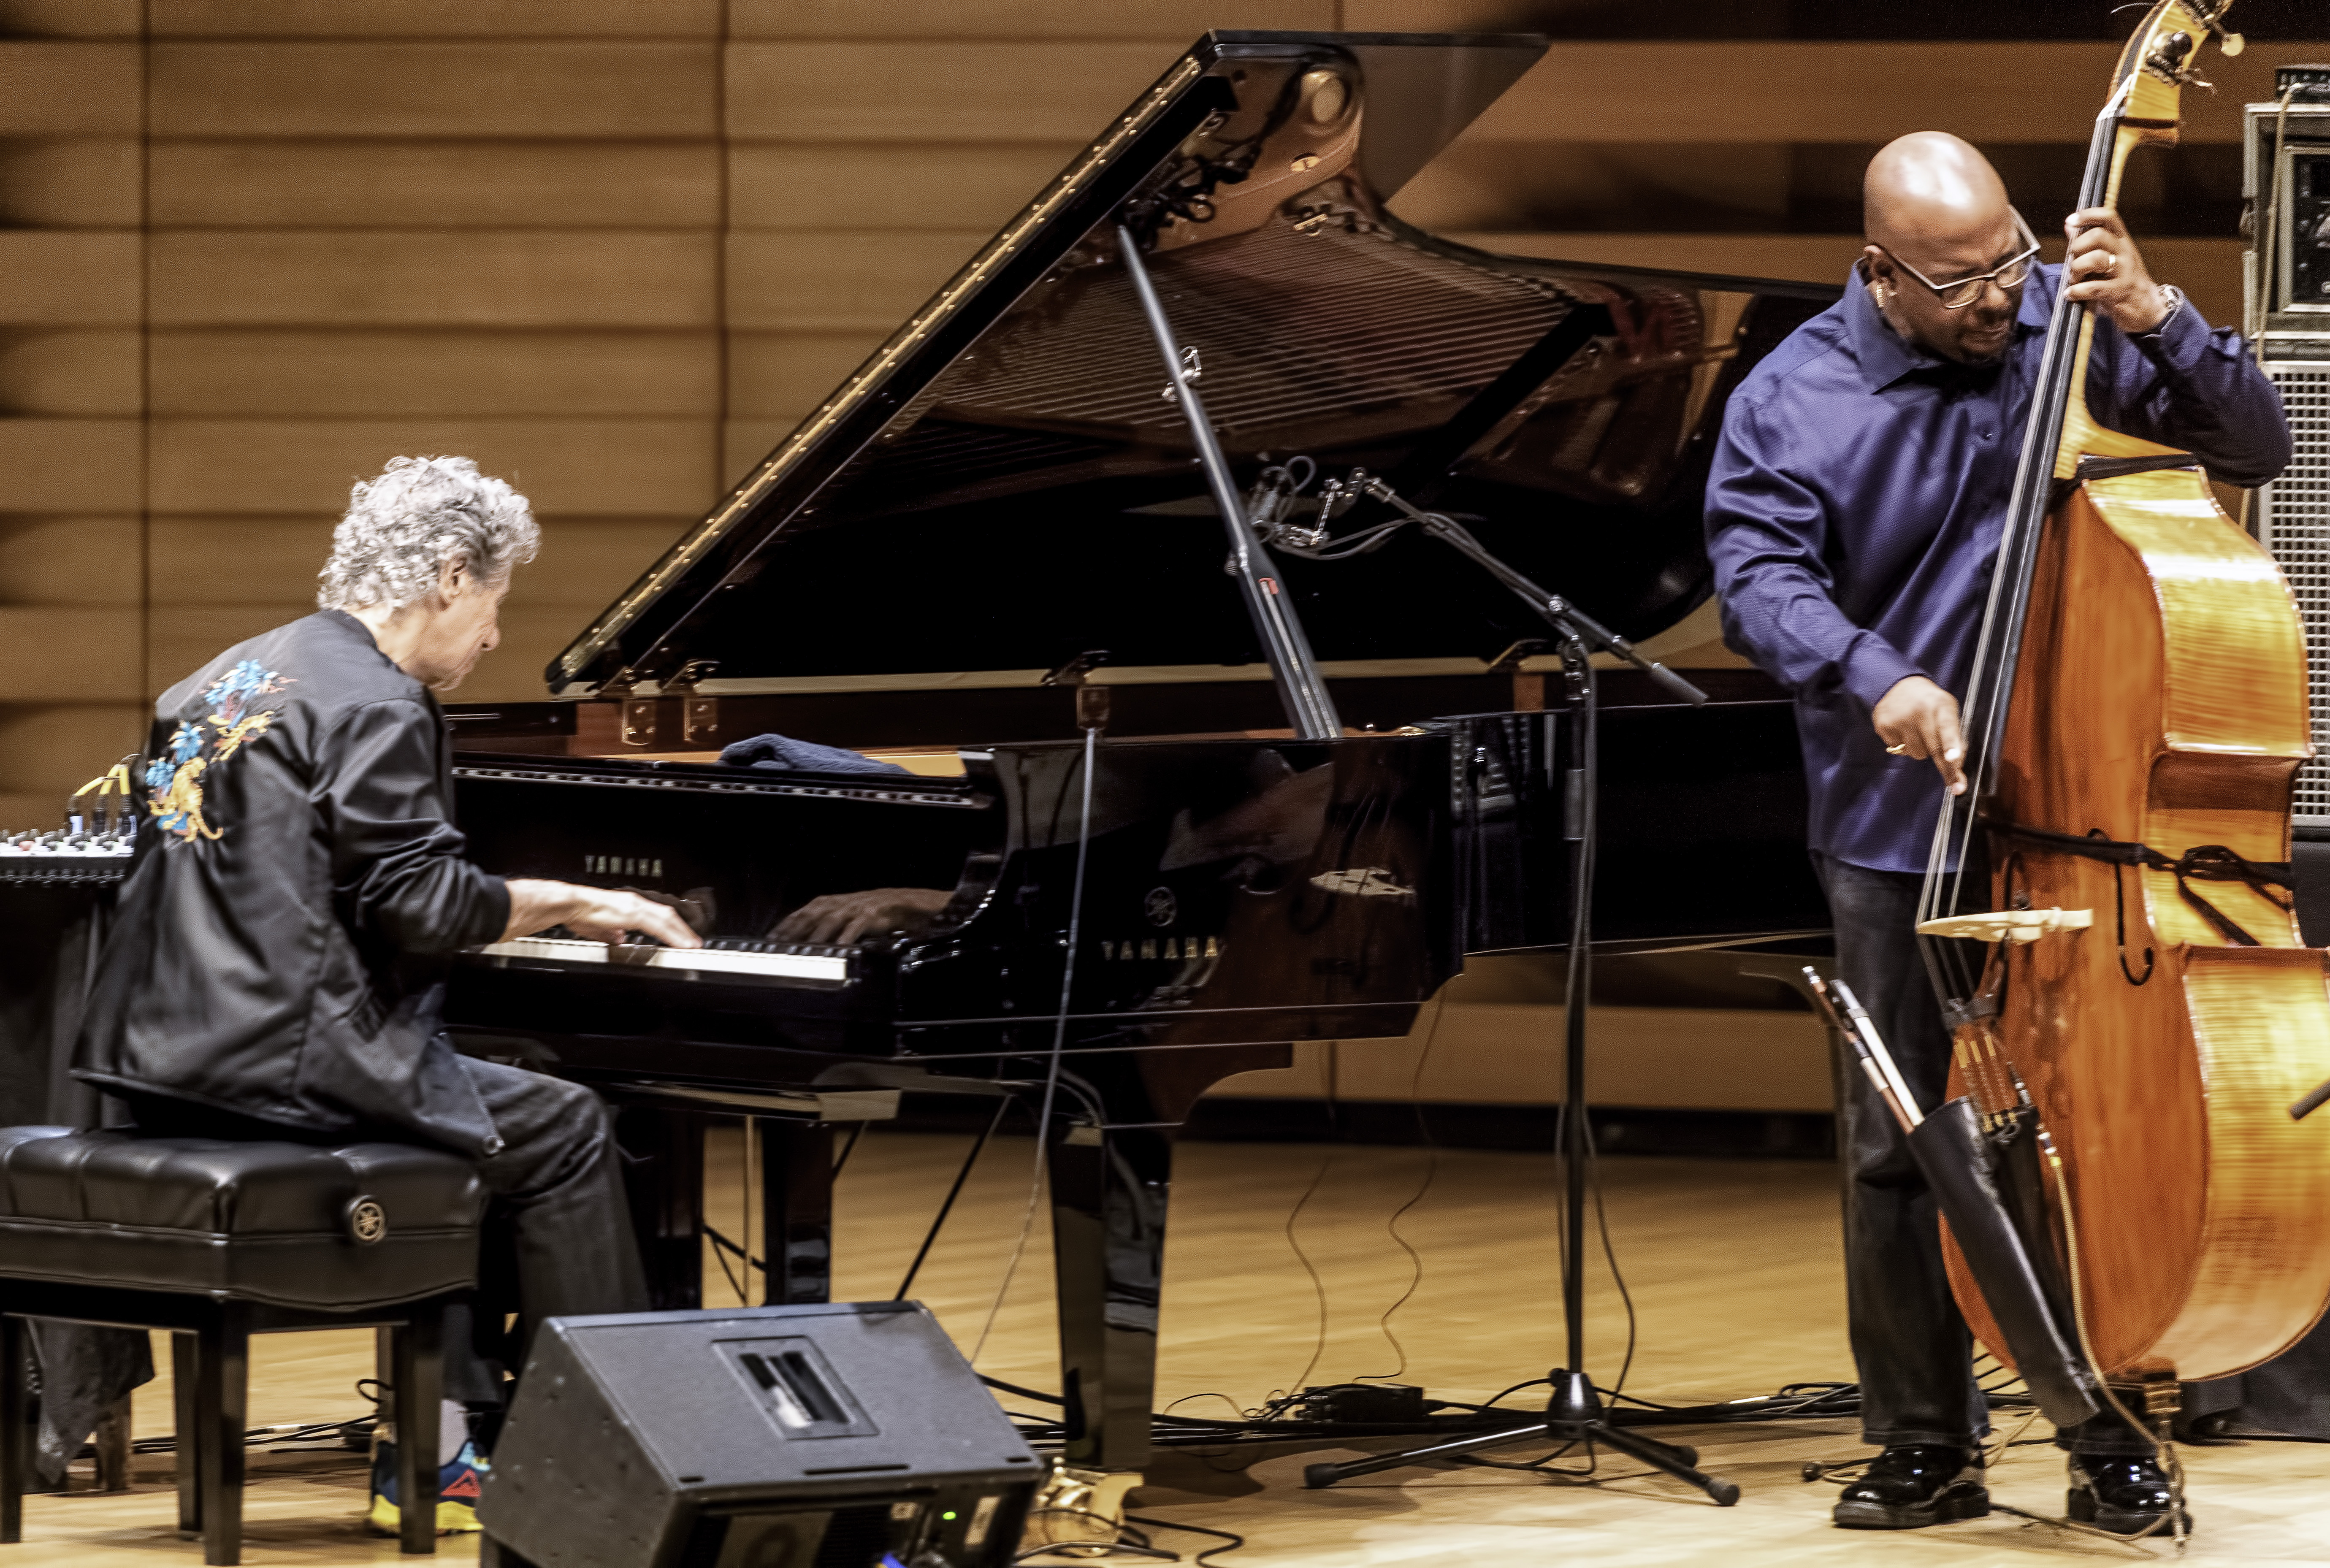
(1933, 208)
(1929, 188)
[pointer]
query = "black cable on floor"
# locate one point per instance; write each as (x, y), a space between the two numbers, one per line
(1230, 1541)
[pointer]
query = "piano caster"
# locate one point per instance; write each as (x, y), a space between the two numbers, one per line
(1078, 1507)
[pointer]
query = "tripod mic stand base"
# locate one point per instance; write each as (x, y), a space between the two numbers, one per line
(1574, 1414)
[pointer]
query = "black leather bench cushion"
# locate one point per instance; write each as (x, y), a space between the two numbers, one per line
(263, 1222)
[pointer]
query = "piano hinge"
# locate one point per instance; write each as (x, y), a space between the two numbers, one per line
(638, 713)
(1528, 687)
(699, 716)
(1092, 701)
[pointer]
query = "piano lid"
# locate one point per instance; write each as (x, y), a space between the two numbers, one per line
(1006, 482)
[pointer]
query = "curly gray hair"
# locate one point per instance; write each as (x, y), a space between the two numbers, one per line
(422, 516)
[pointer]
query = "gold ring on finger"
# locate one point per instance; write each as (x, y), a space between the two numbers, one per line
(1896, 750)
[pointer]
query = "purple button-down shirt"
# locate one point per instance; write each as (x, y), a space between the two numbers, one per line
(1854, 511)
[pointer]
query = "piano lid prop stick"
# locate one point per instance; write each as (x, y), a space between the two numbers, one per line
(1301, 688)
(1859, 1047)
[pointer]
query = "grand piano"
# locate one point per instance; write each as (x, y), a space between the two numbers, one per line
(998, 515)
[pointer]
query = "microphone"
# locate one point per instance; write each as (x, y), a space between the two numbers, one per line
(1273, 497)
(1266, 503)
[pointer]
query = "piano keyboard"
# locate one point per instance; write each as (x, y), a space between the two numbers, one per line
(724, 956)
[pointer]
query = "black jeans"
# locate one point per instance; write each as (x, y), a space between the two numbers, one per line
(1910, 1347)
(557, 1239)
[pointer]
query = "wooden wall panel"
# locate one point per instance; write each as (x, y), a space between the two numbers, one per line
(49, 88)
(350, 373)
(838, 281)
(51, 749)
(433, 18)
(70, 373)
(1765, 93)
(812, 187)
(419, 184)
(72, 398)
(70, 559)
(1031, 91)
(599, 467)
(614, 253)
(102, 666)
(70, 465)
(420, 278)
(69, 182)
(70, 277)
(501, 88)
(1169, 20)
(744, 442)
(2209, 270)
(207, 558)
(70, 18)
(785, 375)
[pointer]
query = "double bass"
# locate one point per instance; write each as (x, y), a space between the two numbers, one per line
(2138, 713)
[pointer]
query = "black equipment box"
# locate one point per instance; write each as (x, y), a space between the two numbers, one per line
(823, 1436)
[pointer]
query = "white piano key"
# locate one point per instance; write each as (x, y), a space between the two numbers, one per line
(712, 960)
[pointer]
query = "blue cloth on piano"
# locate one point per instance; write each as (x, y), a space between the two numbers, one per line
(783, 754)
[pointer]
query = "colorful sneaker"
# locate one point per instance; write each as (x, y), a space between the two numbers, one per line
(457, 1490)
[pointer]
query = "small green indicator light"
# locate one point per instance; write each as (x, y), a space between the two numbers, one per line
(948, 1515)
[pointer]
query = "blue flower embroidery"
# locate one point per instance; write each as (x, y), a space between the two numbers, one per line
(175, 782)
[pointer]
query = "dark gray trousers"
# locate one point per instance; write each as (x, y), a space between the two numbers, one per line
(1911, 1347)
(558, 1239)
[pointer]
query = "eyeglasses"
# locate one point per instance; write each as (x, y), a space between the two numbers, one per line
(1960, 292)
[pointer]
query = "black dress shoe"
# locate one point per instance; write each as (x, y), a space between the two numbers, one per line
(2124, 1496)
(1912, 1485)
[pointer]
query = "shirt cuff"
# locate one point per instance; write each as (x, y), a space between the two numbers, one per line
(1875, 667)
(2180, 343)
(491, 918)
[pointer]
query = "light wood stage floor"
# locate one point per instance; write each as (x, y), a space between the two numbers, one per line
(1734, 1268)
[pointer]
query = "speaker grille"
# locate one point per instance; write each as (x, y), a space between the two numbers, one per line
(854, 1538)
(2295, 525)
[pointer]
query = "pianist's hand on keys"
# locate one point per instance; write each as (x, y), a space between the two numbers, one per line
(594, 914)
(845, 918)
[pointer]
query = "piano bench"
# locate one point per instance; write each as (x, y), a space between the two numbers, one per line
(214, 1242)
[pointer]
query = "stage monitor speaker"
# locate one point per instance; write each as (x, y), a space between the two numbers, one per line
(825, 1436)
(2285, 190)
(2293, 522)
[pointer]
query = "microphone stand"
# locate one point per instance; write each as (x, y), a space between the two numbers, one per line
(1574, 1412)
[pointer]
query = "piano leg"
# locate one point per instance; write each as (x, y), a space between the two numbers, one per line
(797, 1205)
(1110, 1188)
(663, 1174)
(1109, 1192)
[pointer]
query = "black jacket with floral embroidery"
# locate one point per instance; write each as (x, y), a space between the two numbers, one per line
(297, 855)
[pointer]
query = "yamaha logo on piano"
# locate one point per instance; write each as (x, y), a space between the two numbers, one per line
(1163, 948)
(635, 866)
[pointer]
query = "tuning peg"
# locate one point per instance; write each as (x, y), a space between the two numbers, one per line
(2232, 44)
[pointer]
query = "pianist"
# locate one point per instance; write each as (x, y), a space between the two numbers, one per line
(267, 975)
(1853, 516)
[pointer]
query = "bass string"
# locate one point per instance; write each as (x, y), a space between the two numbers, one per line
(1998, 645)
